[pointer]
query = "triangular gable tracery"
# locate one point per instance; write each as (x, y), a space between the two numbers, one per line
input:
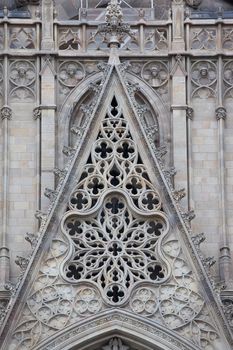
(116, 240)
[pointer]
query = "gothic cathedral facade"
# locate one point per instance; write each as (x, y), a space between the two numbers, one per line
(116, 186)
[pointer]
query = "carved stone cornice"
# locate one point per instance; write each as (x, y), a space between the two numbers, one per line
(6, 113)
(221, 113)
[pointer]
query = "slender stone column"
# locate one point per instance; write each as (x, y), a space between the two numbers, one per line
(179, 127)
(178, 42)
(189, 115)
(48, 109)
(6, 115)
(225, 263)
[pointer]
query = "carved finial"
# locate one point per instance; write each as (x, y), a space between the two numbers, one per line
(221, 113)
(114, 28)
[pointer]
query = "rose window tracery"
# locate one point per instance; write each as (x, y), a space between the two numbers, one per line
(115, 222)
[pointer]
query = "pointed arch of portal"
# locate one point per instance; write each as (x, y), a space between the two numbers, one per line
(68, 110)
(94, 332)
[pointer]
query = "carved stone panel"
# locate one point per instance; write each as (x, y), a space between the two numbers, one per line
(228, 78)
(156, 39)
(227, 41)
(69, 39)
(70, 74)
(22, 37)
(203, 38)
(22, 77)
(154, 72)
(204, 78)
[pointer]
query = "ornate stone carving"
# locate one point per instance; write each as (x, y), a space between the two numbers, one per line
(39, 215)
(51, 194)
(22, 262)
(32, 238)
(193, 3)
(114, 30)
(228, 79)
(69, 151)
(221, 113)
(1, 38)
(20, 3)
(36, 113)
(207, 262)
(6, 113)
(156, 39)
(178, 194)
(69, 39)
(22, 80)
(115, 344)
(228, 310)
(70, 74)
(189, 113)
(156, 74)
(22, 38)
(188, 216)
(77, 130)
(60, 173)
(1, 80)
(113, 151)
(204, 79)
(227, 34)
(203, 38)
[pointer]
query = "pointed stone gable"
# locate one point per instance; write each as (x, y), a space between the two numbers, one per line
(115, 246)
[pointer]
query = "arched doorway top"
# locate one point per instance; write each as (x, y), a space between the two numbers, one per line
(119, 323)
